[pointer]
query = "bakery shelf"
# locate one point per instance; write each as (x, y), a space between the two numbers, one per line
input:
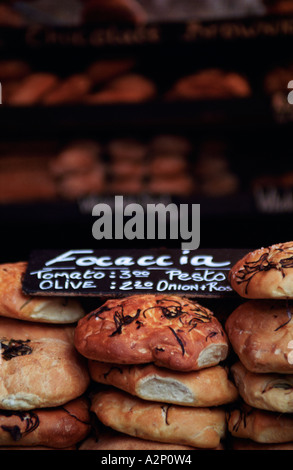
(222, 114)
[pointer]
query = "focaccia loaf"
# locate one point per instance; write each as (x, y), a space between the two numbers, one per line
(261, 332)
(170, 331)
(15, 304)
(262, 426)
(59, 427)
(266, 273)
(39, 366)
(195, 427)
(205, 387)
(272, 392)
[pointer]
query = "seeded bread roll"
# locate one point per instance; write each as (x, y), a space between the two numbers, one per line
(195, 427)
(262, 426)
(266, 273)
(260, 332)
(59, 427)
(170, 331)
(15, 304)
(206, 387)
(39, 367)
(272, 392)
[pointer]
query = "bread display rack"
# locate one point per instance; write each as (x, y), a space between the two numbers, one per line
(254, 133)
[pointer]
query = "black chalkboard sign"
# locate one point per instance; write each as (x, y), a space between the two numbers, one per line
(91, 272)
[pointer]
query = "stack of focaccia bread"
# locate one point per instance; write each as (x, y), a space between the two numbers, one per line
(150, 371)
(43, 379)
(157, 360)
(261, 333)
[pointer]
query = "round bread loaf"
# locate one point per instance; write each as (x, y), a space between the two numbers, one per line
(206, 387)
(59, 427)
(266, 273)
(15, 304)
(195, 427)
(260, 332)
(39, 367)
(272, 392)
(263, 426)
(170, 331)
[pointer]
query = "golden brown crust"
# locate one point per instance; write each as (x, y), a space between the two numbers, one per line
(195, 427)
(59, 427)
(170, 331)
(272, 392)
(15, 304)
(260, 332)
(260, 426)
(38, 368)
(266, 273)
(206, 387)
(39, 374)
